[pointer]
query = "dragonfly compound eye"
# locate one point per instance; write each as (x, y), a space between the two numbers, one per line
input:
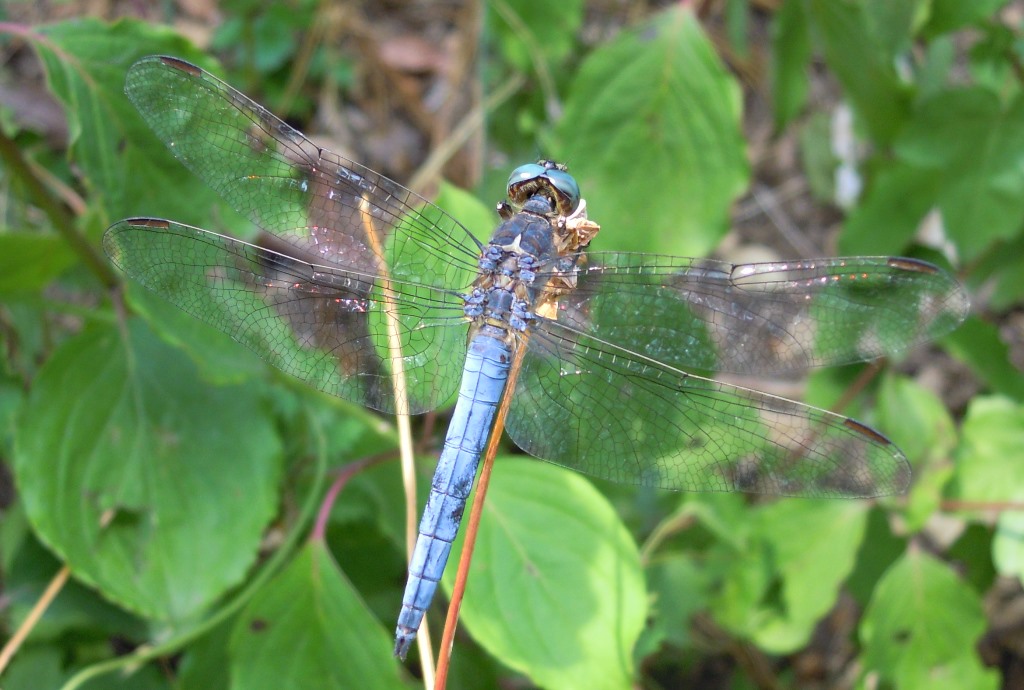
(545, 179)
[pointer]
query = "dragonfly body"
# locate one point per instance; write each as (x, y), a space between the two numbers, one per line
(610, 352)
(501, 305)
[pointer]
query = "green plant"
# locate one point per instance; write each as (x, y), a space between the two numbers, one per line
(175, 476)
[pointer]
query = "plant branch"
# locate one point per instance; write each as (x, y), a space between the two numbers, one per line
(59, 216)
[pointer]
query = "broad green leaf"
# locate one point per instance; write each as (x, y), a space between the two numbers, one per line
(972, 552)
(813, 547)
(555, 589)
(978, 344)
(971, 146)
(479, 218)
(134, 174)
(898, 198)
(992, 435)
(817, 157)
(36, 667)
(879, 550)
(738, 563)
(308, 628)
(938, 59)
(891, 23)
(78, 612)
(1008, 545)
(677, 584)
(949, 15)
(206, 663)
(652, 130)
(863, 64)
(921, 628)
(1009, 288)
(536, 30)
(916, 420)
(994, 55)
(28, 261)
(746, 578)
(725, 515)
(154, 487)
(919, 423)
(221, 360)
(791, 55)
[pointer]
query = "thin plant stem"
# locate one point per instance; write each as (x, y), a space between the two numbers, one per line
(49, 594)
(472, 122)
(62, 220)
(400, 392)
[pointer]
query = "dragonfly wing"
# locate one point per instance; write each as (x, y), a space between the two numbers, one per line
(324, 324)
(320, 203)
(761, 318)
(594, 407)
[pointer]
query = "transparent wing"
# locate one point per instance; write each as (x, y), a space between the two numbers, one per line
(326, 207)
(324, 324)
(763, 318)
(593, 407)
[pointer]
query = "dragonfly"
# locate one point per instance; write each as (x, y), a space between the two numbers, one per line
(606, 360)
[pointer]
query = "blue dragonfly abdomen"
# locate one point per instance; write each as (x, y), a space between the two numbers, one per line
(483, 382)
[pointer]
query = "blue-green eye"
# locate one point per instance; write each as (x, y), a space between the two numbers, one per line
(567, 185)
(548, 179)
(525, 173)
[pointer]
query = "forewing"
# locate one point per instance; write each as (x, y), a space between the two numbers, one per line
(332, 210)
(762, 318)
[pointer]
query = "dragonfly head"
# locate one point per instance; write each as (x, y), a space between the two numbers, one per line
(547, 179)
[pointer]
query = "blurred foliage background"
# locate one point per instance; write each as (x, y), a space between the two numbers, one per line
(741, 129)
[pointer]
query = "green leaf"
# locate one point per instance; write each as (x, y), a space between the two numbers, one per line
(972, 552)
(555, 589)
(897, 200)
(916, 420)
(779, 566)
(978, 344)
(123, 163)
(152, 486)
(1009, 288)
(1008, 545)
(677, 583)
(652, 127)
(791, 55)
(34, 668)
(813, 547)
(28, 261)
(221, 360)
(921, 628)
(950, 15)
(991, 438)
(479, 218)
(817, 157)
(308, 628)
(879, 550)
(972, 146)
(863, 63)
(891, 23)
(919, 423)
(78, 612)
(532, 30)
(205, 663)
